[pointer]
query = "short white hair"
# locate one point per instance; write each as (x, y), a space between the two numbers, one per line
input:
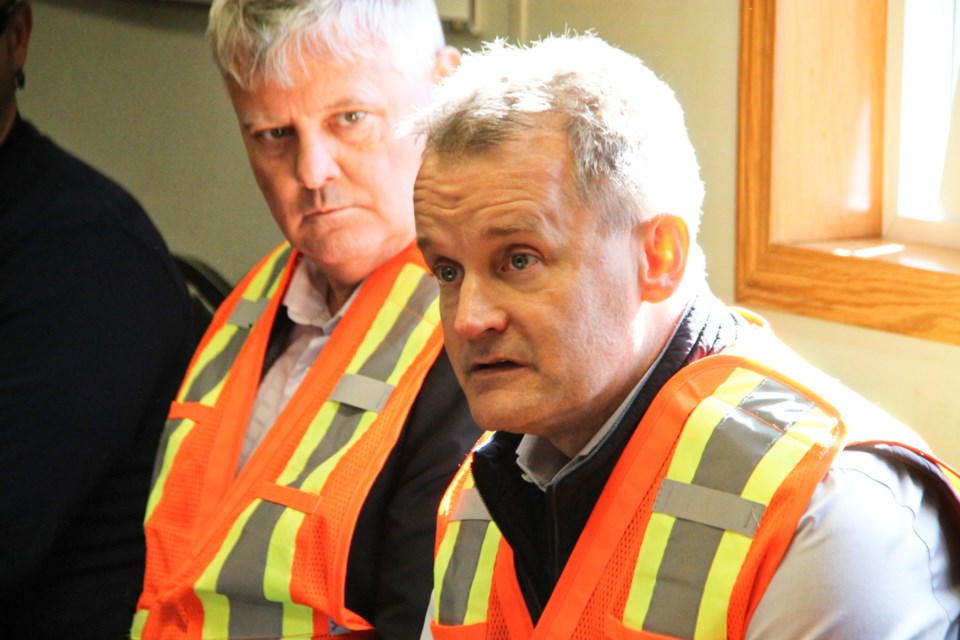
(265, 40)
(632, 156)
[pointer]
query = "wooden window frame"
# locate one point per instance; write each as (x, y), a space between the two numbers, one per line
(803, 85)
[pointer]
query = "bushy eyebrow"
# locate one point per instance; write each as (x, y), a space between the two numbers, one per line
(514, 227)
(343, 105)
(521, 223)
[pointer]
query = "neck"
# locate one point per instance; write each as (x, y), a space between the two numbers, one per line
(337, 296)
(8, 115)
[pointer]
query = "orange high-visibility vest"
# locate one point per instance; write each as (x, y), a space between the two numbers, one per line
(694, 519)
(263, 553)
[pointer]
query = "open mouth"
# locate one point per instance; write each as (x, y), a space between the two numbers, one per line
(497, 365)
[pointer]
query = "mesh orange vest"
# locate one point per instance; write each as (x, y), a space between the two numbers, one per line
(263, 553)
(694, 519)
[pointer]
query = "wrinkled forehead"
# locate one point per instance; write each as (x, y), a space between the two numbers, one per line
(524, 184)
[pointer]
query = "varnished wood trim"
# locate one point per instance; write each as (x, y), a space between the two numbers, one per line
(874, 293)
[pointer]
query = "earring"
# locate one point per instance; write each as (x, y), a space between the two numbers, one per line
(19, 79)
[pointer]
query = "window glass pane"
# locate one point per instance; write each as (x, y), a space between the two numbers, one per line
(928, 78)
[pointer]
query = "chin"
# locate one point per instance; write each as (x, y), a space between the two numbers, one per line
(510, 418)
(491, 420)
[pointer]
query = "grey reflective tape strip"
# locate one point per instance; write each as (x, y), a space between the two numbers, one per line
(733, 450)
(461, 571)
(362, 392)
(708, 506)
(731, 454)
(279, 266)
(241, 578)
(240, 317)
(236, 580)
(384, 360)
(776, 403)
(337, 630)
(342, 427)
(681, 578)
(247, 312)
(378, 366)
(169, 427)
(469, 506)
(215, 370)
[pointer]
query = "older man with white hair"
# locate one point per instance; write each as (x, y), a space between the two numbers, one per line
(298, 479)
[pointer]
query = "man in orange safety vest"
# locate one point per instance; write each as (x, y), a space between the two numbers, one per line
(296, 487)
(662, 466)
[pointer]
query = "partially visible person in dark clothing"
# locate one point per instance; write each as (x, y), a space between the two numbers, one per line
(95, 335)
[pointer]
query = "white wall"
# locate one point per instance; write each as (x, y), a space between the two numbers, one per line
(129, 86)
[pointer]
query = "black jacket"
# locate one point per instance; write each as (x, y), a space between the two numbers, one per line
(95, 334)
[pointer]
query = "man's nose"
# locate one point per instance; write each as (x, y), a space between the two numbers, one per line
(479, 309)
(317, 163)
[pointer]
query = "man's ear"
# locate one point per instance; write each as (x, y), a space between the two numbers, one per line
(665, 245)
(21, 27)
(447, 61)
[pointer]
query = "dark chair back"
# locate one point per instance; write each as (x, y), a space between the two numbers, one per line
(207, 288)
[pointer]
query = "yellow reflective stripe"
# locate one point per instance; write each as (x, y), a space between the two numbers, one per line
(297, 618)
(220, 340)
(815, 427)
(139, 622)
(262, 285)
(706, 417)
(297, 621)
(416, 342)
(782, 458)
(403, 288)
(169, 455)
(645, 572)
(214, 347)
(386, 318)
(693, 440)
(310, 441)
(712, 616)
(479, 598)
(314, 482)
(442, 561)
(414, 345)
(686, 459)
(279, 566)
(216, 607)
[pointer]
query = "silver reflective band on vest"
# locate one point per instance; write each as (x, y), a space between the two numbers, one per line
(247, 312)
(469, 506)
(366, 390)
(708, 506)
(735, 447)
(362, 392)
(462, 570)
(470, 511)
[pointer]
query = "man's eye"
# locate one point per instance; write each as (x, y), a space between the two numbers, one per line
(351, 117)
(446, 273)
(276, 133)
(521, 261)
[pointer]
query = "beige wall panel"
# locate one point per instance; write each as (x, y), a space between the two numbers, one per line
(130, 87)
